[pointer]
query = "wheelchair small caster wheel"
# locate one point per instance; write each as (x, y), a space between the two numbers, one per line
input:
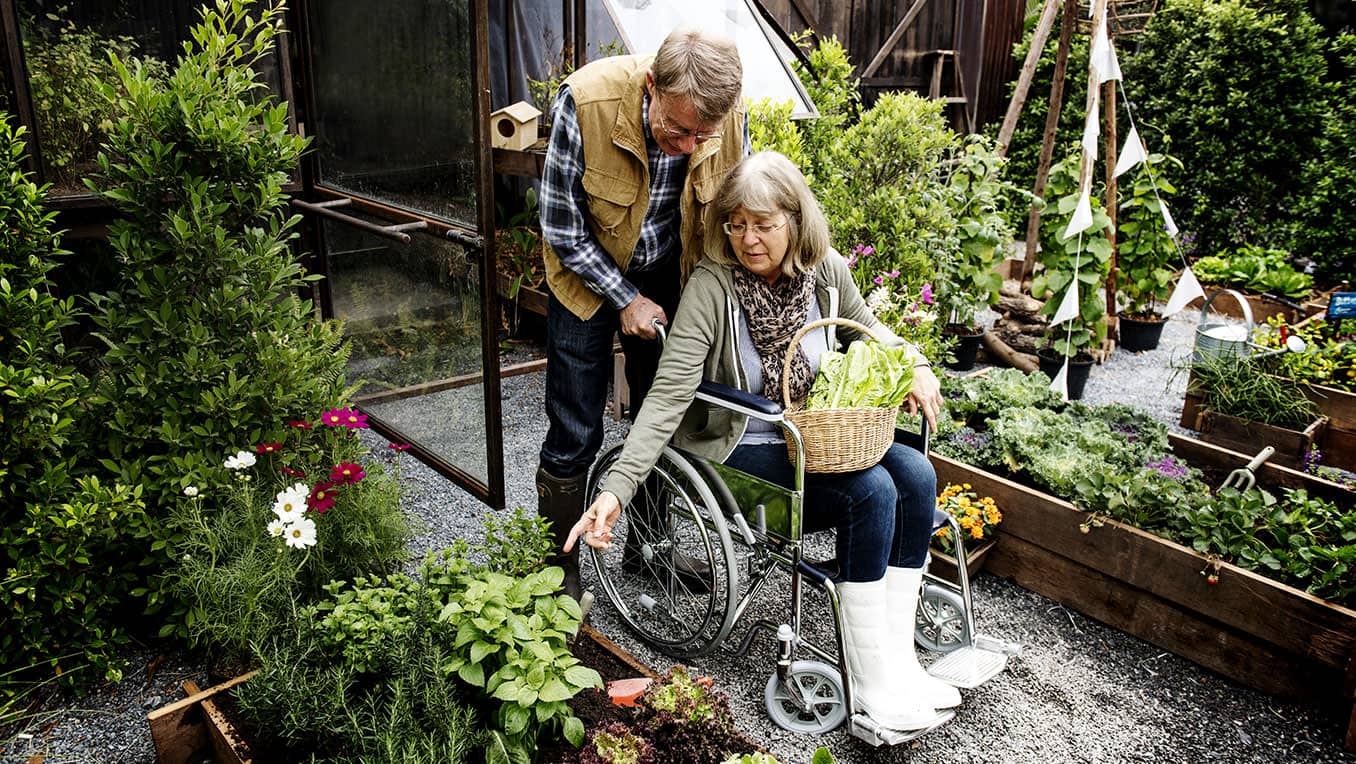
(820, 686)
(941, 624)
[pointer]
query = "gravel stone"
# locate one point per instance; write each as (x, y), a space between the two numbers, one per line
(1080, 691)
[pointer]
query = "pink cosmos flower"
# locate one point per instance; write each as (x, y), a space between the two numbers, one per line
(355, 420)
(334, 417)
(398, 446)
(300, 424)
(322, 497)
(268, 448)
(346, 473)
(294, 473)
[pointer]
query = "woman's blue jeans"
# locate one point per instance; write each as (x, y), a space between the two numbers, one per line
(883, 514)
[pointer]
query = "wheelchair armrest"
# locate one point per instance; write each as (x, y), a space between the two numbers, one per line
(739, 400)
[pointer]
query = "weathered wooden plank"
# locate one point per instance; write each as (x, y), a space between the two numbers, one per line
(228, 745)
(617, 650)
(1033, 57)
(1180, 630)
(1239, 434)
(179, 729)
(1200, 452)
(1292, 620)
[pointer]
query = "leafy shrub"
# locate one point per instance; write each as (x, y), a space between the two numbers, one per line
(243, 568)
(1238, 86)
(69, 541)
(207, 343)
(967, 279)
(834, 92)
(1325, 204)
(1329, 358)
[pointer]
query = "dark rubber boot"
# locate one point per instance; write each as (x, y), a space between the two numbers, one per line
(561, 501)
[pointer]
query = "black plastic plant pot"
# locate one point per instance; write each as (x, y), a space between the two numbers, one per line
(1079, 366)
(967, 346)
(1140, 334)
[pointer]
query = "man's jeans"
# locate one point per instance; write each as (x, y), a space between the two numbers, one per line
(883, 514)
(579, 368)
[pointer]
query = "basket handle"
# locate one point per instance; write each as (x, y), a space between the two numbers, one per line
(1240, 299)
(800, 335)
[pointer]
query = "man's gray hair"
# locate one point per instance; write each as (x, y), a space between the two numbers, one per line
(765, 184)
(702, 67)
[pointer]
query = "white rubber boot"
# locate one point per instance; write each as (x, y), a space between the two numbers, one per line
(872, 663)
(902, 589)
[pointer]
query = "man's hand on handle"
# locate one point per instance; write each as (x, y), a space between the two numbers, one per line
(637, 318)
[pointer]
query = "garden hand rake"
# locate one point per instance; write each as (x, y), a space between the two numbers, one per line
(1242, 478)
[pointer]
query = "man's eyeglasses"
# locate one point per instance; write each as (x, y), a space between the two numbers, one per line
(759, 229)
(683, 134)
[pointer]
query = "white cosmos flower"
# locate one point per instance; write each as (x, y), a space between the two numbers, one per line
(290, 503)
(240, 461)
(276, 527)
(300, 533)
(190, 491)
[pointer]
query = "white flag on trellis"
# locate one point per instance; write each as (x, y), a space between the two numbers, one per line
(1187, 289)
(1169, 224)
(1132, 153)
(1103, 62)
(1082, 217)
(1091, 129)
(1068, 307)
(1060, 383)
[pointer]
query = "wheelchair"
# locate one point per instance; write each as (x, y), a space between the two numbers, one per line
(745, 529)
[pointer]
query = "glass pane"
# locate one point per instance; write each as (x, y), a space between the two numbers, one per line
(412, 312)
(66, 48)
(394, 102)
(767, 73)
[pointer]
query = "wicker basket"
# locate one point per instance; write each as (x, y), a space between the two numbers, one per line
(837, 440)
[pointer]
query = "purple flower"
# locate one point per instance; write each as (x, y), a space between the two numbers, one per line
(878, 280)
(927, 294)
(892, 275)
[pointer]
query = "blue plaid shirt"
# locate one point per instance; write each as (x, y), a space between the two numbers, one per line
(564, 207)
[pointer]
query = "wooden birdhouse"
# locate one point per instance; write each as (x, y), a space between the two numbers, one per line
(514, 126)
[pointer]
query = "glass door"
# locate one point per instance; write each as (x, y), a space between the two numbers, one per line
(400, 211)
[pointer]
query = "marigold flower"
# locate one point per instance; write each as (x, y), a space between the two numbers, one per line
(346, 473)
(322, 497)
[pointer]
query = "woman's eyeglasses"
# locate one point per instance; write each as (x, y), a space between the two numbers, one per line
(759, 229)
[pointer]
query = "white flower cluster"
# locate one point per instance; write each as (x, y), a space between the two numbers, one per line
(291, 523)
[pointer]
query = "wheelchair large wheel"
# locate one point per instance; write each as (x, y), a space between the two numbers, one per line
(820, 686)
(671, 572)
(941, 624)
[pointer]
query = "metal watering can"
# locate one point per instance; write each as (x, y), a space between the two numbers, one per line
(1216, 339)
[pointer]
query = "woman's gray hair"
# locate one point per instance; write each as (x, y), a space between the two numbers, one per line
(702, 67)
(765, 184)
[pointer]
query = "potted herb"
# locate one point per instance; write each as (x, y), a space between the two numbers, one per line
(968, 279)
(1144, 253)
(1082, 258)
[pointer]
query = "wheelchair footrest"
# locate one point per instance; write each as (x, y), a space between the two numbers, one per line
(968, 667)
(865, 728)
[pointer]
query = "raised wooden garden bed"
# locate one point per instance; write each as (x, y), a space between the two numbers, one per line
(1338, 442)
(1249, 628)
(1264, 308)
(1242, 435)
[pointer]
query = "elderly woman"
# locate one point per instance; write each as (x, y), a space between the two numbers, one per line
(768, 271)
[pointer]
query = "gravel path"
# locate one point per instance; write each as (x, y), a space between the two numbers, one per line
(1080, 692)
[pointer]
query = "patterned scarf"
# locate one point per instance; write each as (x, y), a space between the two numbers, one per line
(775, 312)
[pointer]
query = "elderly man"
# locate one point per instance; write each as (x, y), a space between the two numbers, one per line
(639, 145)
